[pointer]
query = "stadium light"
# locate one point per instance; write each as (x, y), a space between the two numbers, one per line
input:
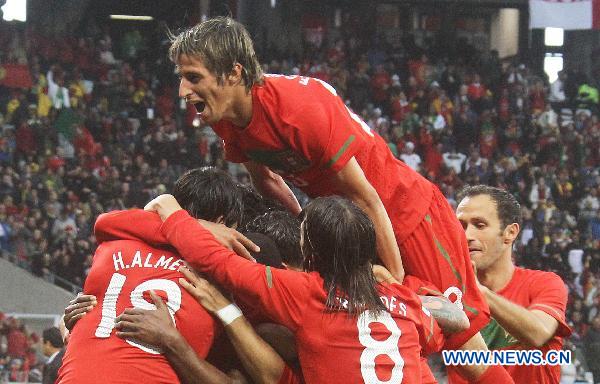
(554, 37)
(15, 10)
(131, 17)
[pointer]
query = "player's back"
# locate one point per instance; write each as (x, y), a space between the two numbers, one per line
(122, 274)
(337, 348)
(303, 131)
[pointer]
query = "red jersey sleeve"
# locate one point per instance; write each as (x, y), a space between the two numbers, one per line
(132, 224)
(278, 293)
(325, 130)
(549, 295)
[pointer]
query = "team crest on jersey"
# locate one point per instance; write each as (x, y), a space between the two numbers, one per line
(285, 161)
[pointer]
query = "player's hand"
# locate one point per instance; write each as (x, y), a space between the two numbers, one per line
(77, 308)
(481, 287)
(232, 239)
(165, 205)
(203, 291)
(152, 327)
(382, 275)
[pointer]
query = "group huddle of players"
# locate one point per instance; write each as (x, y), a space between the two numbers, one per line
(341, 306)
(136, 255)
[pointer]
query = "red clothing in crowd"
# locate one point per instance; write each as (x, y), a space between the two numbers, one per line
(122, 273)
(84, 141)
(16, 343)
(399, 109)
(25, 139)
(476, 91)
(380, 82)
(165, 106)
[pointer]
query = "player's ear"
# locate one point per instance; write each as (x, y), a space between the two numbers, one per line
(235, 76)
(511, 232)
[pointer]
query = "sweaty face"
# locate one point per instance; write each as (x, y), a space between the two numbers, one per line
(198, 86)
(484, 231)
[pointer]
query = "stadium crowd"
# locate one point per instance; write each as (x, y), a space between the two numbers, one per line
(98, 126)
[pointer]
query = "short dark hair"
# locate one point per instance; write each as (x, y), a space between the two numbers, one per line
(507, 206)
(255, 205)
(220, 42)
(209, 193)
(53, 336)
(269, 252)
(284, 229)
(339, 243)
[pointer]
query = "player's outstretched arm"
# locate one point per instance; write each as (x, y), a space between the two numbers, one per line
(271, 185)
(277, 292)
(448, 315)
(227, 237)
(351, 181)
(155, 327)
(260, 360)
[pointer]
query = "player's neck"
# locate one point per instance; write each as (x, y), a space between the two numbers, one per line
(241, 108)
(498, 275)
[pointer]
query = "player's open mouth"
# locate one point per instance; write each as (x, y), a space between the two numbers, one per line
(200, 106)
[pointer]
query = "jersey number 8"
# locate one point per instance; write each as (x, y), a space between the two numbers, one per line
(374, 348)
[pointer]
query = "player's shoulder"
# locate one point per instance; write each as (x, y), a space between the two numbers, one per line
(537, 277)
(293, 90)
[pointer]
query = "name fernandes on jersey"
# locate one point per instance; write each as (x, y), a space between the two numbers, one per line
(151, 261)
(391, 303)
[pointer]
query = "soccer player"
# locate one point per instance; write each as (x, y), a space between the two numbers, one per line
(297, 128)
(527, 306)
(340, 316)
(122, 274)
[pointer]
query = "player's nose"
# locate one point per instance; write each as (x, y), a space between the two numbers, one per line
(470, 233)
(185, 90)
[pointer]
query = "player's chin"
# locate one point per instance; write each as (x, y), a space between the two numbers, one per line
(475, 255)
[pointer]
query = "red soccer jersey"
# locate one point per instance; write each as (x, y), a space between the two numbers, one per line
(532, 289)
(122, 273)
(332, 346)
(303, 131)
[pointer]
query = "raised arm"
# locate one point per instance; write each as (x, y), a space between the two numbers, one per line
(131, 224)
(271, 185)
(354, 185)
(137, 224)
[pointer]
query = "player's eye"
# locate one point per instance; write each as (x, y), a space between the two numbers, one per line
(194, 79)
